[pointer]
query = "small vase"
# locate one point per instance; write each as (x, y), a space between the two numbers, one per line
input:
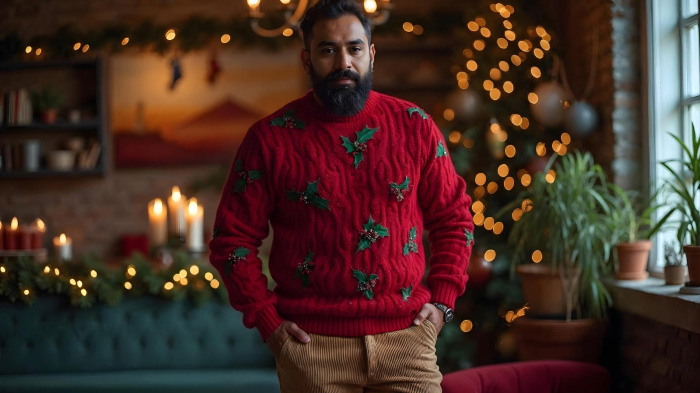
(49, 116)
(674, 275)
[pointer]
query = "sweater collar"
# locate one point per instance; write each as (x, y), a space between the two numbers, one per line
(320, 113)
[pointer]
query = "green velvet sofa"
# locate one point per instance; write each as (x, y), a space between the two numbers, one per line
(144, 344)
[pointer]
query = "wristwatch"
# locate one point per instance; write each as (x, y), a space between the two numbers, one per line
(449, 313)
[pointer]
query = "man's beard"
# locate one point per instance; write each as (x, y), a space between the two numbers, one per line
(343, 100)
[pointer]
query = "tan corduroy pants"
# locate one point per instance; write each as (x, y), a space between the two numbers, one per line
(401, 361)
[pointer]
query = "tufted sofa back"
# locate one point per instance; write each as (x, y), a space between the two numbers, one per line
(50, 336)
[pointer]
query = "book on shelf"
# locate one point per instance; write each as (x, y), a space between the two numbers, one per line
(16, 107)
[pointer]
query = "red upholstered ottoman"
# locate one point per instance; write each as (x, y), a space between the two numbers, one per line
(540, 376)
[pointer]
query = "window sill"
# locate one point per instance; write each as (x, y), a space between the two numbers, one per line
(654, 300)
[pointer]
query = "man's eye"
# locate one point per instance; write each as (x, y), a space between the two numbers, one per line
(328, 50)
(356, 49)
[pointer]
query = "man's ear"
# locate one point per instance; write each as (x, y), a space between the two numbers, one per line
(306, 61)
(371, 56)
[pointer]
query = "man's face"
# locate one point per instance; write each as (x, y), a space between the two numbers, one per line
(339, 61)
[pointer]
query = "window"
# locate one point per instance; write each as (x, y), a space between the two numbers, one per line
(673, 89)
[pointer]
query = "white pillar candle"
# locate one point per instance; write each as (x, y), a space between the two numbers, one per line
(157, 223)
(194, 216)
(62, 246)
(176, 211)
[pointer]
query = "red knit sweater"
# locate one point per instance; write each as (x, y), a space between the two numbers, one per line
(348, 199)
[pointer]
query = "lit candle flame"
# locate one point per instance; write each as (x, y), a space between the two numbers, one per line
(62, 238)
(14, 224)
(192, 208)
(253, 3)
(176, 194)
(40, 225)
(158, 206)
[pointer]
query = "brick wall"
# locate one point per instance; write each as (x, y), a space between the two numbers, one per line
(648, 356)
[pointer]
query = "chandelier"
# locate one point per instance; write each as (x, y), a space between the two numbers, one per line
(377, 12)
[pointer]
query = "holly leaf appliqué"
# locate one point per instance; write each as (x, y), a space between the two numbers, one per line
(413, 110)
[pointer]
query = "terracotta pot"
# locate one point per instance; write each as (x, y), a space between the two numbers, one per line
(542, 289)
(479, 270)
(49, 116)
(578, 340)
(632, 260)
(692, 256)
(675, 275)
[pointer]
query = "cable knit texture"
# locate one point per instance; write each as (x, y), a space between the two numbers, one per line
(348, 199)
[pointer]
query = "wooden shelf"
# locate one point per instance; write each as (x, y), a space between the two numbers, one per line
(41, 173)
(59, 126)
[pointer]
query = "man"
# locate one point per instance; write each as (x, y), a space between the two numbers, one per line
(348, 178)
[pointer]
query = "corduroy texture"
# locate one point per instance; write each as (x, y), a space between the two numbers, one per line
(305, 161)
(401, 361)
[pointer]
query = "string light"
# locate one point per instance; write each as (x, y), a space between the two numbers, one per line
(490, 255)
(408, 27)
(46, 269)
(509, 183)
(532, 97)
(526, 180)
(526, 205)
(498, 228)
(131, 271)
(170, 35)
(176, 277)
(83, 292)
(448, 114)
(510, 35)
(471, 65)
(79, 284)
(510, 151)
(515, 59)
(516, 119)
(495, 74)
(525, 123)
(125, 41)
(503, 65)
(485, 32)
(468, 143)
(544, 44)
(537, 256)
(86, 48)
(56, 271)
(488, 223)
(508, 86)
(127, 285)
(225, 39)
(507, 24)
(77, 46)
(463, 84)
(502, 43)
(478, 207)
(492, 187)
(538, 53)
(194, 270)
(495, 94)
(479, 192)
(479, 45)
(168, 286)
(503, 170)
(565, 138)
(455, 136)
(214, 284)
(466, 326)
(480, 179)
(468, 53)
(183, 281)
(418, 30)
(287, 32)
(38, 51)
(535, 71)
(478, 219)
(517, 214)
(473, 26)
(28, 49)
(208, 276)
(93, 273)
(488, 85)
(480, 21)
(72, 281)
(551, 176)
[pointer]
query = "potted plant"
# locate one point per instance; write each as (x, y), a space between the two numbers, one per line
(685, 185)
(47, 100)
(633, 231)
(674, 271)
(565, 226)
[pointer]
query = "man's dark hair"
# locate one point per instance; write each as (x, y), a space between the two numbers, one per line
(332, 9)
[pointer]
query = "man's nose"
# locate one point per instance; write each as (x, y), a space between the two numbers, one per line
(342, 61)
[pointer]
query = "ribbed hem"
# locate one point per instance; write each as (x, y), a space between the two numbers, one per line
(445, 293)
(351, 326)
(267, 321)
(320, 113)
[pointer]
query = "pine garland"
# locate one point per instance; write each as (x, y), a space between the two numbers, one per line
(88, 281)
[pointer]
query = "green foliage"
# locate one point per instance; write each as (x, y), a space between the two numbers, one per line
(47, 98)
(569, 221)
(631, 217)
(89, 281)
(673, 255)
(685, 185)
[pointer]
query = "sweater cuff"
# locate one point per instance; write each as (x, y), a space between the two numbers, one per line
(445, 293)
(267, 321)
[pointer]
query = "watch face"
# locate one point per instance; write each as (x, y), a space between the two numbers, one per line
(449, 315)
